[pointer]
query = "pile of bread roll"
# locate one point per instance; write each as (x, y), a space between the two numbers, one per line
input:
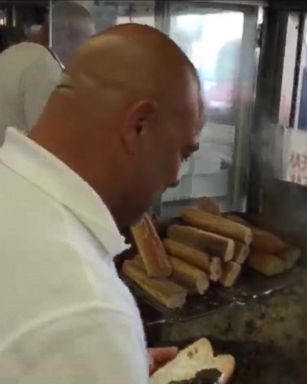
(207, 247)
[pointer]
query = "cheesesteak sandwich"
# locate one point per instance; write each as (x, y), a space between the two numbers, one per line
(192, 363)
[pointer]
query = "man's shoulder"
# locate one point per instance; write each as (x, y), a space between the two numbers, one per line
(27, 49)
(25, 55)
(99, 338)
(21, 201)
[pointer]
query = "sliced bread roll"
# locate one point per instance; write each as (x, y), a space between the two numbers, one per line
(262, 240)
(164, 291)
(215, 269)
(230, 274)
(290, 256)
(208, 205)
(189, 254)
(151, 249)
(191, 360)
(237, 219)
(268, 265)
(212, 266)
(203, 241)
(217, 224)
(187, 275)
(266, 242)
(241, 252)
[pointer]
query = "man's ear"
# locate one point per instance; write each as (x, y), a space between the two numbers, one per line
(140, 119)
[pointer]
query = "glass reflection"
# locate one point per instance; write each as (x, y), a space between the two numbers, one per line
(213, 43)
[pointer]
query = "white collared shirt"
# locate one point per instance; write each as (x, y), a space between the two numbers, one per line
(29, 74)
(66, 317)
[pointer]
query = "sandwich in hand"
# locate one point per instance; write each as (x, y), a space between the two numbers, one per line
(193, 362)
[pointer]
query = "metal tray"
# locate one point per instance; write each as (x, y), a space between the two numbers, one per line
(250, 286)
(195, 307)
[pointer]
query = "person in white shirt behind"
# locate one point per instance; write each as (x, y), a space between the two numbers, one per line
(112, 137)
(30, 70)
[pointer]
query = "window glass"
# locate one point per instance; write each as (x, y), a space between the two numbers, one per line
(213, 40)
(301, 122)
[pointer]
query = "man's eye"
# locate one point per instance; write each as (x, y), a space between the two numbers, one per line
(185, 158)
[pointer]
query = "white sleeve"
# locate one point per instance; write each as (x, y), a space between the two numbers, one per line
(37, 83)
(97, 346)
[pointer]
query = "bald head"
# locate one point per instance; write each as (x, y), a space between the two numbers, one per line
(126, 114)
(71, 25)
(131, 62)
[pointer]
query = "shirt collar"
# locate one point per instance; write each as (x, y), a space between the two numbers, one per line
(56, 179)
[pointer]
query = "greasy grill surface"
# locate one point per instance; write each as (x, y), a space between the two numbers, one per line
(250, 286)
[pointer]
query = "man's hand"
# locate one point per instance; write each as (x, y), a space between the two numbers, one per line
(160, 356)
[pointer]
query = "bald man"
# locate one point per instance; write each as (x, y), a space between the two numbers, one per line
(30, 71)
(71, 24)
(112, 137)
